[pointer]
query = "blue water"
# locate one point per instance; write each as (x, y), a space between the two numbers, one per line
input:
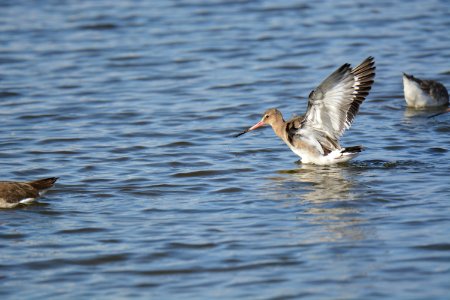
(134, 104)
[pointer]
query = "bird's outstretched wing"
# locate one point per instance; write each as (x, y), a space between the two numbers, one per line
(332, 106)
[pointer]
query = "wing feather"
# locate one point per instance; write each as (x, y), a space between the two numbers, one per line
(333, 105)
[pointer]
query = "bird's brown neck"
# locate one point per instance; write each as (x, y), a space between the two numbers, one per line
(287, 129)
(279, 127)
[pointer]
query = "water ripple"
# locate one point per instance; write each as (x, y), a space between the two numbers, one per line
(134, 104)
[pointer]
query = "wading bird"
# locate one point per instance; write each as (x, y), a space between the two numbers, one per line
(332, 106)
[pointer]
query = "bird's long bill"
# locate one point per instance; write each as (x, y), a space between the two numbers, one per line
(257, 125)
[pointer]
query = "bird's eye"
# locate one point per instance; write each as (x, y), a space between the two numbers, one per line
(266, 116)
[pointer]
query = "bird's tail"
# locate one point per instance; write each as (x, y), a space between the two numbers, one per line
(353, 149)
(43, 184)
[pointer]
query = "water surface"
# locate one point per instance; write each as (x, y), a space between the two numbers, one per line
(134, 106)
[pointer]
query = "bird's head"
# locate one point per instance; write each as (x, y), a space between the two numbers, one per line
(270, 117)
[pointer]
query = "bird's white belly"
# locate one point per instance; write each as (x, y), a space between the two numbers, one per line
(305, 157)
(334, 157)
(309, 157)
(416, 97)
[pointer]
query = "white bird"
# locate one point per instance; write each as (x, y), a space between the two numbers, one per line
(424, 93)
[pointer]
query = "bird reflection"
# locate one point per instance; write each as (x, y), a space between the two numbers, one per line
(326, 194)
(423, 112)
(327, 183)
(319, 183)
